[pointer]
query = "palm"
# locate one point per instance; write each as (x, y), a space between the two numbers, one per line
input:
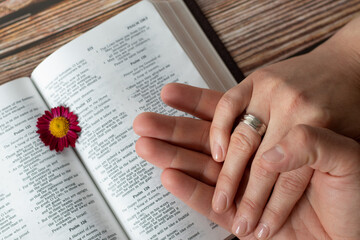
(324, 211)
(303, 223)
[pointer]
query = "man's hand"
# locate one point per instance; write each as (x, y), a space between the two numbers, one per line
(331, 204)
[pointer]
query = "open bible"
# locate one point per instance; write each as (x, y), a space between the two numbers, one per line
(102, 189)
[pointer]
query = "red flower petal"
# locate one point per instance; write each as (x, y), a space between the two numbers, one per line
(43, 130)
(61, 145)
(75, 128)
(66, 142)
(43, 126)
(43, 121)
(45, 118)
(72, 118)
(72, 134)
(49, 114)
(55, 142)
(66, 112)
(71, 140)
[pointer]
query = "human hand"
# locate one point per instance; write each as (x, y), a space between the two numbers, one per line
(330, 207)
(172, 143)
(182, 144)
(320, 89)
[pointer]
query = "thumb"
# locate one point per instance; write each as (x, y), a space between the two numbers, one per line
(319, 148)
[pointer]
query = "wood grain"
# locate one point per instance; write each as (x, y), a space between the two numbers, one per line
(60, 17)
(256, 33)
(9, 7)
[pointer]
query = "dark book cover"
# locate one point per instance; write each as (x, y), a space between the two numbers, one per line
(215, 40)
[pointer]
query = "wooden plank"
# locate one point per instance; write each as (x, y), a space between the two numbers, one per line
(255, 32)
(22, 63)
(258, 33)
(62, 16)
(10, 7)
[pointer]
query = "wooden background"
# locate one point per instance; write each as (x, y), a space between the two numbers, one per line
(256, 32)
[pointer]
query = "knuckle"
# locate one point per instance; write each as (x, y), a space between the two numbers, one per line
(264, 74)
(250, 205)
(174, 123)
(292, 184)
(273, 214)
(300, 102)
(265, 81)
(226, 179)
(296, 99)
(226, 103)
(242, 142)
(209, 173)
(204, 139)
(303, 134)
(261, 173)
(175, 159)
(319, 116)
(306, 139)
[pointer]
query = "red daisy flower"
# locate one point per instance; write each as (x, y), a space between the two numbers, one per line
(58, 128)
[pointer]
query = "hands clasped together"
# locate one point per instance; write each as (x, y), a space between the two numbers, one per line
(301, 180)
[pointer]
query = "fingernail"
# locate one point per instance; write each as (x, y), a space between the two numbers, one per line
(275, 154)
(262, 231)
(240, 226)
(220, 202)
(218, 153)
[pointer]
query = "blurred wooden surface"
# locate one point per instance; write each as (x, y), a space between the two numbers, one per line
(256, 32)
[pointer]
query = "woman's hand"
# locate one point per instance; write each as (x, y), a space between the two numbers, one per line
(320, 89)
(328, 209)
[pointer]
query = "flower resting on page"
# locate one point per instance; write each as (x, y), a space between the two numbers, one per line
(58, 128)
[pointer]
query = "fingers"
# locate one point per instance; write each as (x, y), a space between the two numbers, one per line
(321, 149)
(184, 132)
(195, 194)
(164, 155)
(260, 188)
(230, 106)
(198, 102)
(242, 145)
(244, 141)
(254, 200)
(288, 189)
(305, 148)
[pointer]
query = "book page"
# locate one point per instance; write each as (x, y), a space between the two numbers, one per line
(108, 76)
(44, 194)
(197, 46)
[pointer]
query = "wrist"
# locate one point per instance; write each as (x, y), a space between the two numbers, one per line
(342, 52)
(336, 65)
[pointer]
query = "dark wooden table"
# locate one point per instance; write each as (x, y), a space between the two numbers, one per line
(255, 32)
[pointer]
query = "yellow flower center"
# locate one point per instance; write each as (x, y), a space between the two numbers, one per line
(59, 127)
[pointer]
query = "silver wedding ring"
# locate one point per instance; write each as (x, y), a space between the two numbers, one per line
(254, 123)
